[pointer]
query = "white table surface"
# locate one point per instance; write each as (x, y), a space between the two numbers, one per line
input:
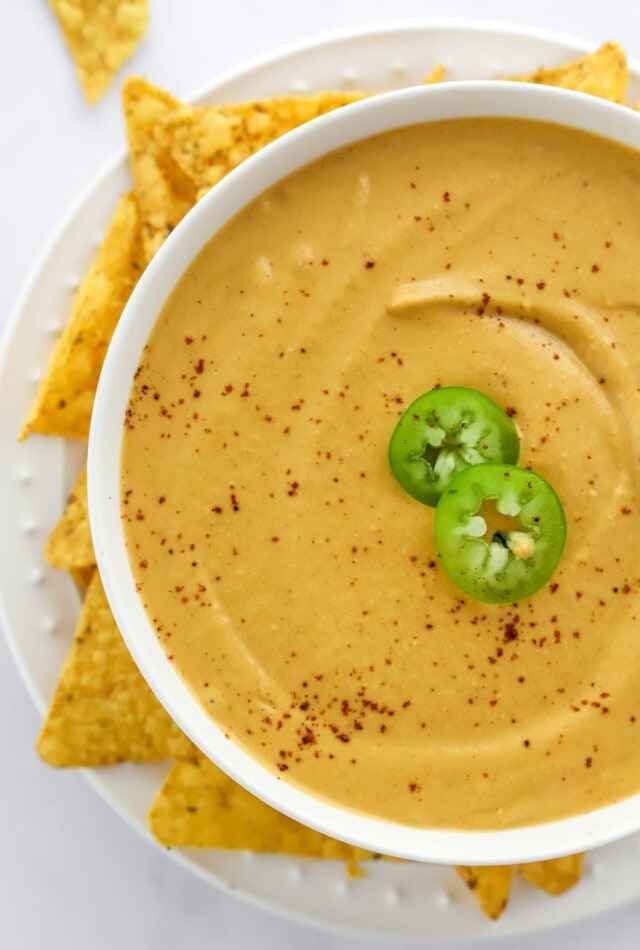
(72, 873)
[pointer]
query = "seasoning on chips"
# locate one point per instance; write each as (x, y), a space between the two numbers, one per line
(491, 885)
(164, 193)
(69, 546)
(100, 36)
(200, 807)
(208, 142)
(102, 711)
(604, 73)
(554, 876)
(64, 399)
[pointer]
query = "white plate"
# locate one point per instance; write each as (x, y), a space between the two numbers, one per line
(39, 606)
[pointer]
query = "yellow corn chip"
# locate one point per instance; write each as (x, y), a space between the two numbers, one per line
(102, 711)
(555, 876)
(101, 35)
(206, 143)
(604, 73)
(436, 75)
(200, 807)
(491, 886)
(69, 546)
(82, 576)
(164, 193)
(64, 399)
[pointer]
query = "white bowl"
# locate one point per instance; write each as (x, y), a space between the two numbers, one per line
(347, 125)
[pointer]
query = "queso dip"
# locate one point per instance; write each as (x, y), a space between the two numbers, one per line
(293, 583)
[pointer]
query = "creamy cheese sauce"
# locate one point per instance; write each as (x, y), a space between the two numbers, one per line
(291, 581)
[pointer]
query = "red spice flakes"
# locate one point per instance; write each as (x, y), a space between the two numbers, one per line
(414, 787)
(588, 762)
(541, 284)
(188, 340)
(283, 766)
(595, 268)
(510, 632)
(553, 588)
(625, 511)
(199, 366)
(369, 264)
(446, 197)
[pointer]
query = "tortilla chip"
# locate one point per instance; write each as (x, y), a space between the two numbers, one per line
(604, 73)
(64, 399)
(555, 876)
(69, 546)
(208, 142)
(164, 193)
(491, 885)
(82, 576)
(436, 75)
(102, 711)
(101, 35)
(200, 807)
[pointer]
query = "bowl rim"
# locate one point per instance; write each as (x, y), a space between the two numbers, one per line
(387, 111)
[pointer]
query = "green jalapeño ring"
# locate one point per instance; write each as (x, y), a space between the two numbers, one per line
(443, 432)
(500, 531)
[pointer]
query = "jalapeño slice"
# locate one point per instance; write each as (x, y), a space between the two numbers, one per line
(499, 531)
(443, 432)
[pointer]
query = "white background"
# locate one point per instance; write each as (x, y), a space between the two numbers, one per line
(72, 873)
